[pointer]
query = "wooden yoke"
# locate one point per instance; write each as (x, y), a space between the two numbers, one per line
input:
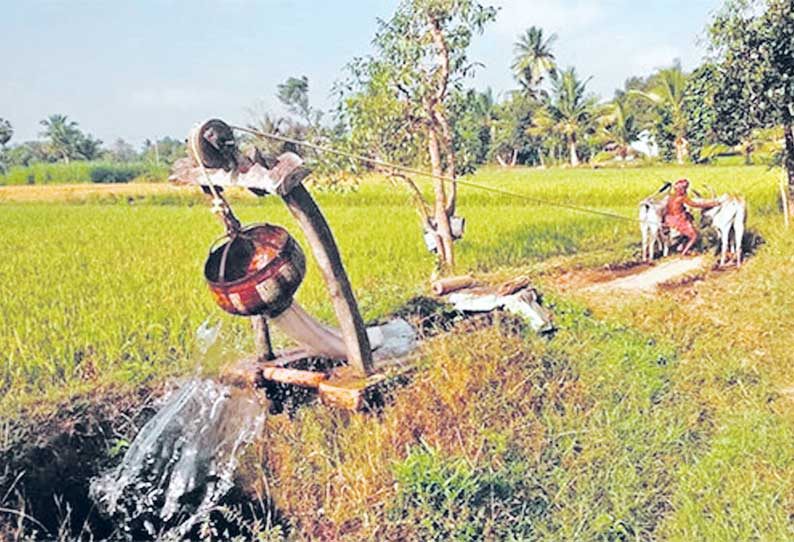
(286, 177)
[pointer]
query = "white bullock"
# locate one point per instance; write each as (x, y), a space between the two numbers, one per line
(652, 227)
(729, 215)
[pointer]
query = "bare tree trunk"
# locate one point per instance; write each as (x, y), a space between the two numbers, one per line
(788, 157)
(421, 203)
(680, 149)
(448, 145)
(443, 232)
(515, 158)
(540, 157)
(437, 119)
(501, 160)
(574, 156)
(439, 116)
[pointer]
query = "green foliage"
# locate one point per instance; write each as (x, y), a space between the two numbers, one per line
(389, 97)
(533, 58)
(163, 151)
(700, 109)
(115, 173)
(666, 90)
(28, 153)
(618, 127)
(443, 498)
(754, 45)
(471, 116)
(512, 134)
(294, 94)
(67, 141)
(571, 109)
(438, 495)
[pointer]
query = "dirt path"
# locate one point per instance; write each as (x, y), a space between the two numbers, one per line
(648, 280)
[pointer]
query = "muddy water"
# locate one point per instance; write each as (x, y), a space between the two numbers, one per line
(181, 463)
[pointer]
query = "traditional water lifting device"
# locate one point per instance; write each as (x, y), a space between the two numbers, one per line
(255, 270)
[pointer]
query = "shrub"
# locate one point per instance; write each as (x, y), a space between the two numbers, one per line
(115, 173)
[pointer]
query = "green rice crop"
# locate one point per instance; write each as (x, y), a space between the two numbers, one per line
(103, 289)
(663, 418)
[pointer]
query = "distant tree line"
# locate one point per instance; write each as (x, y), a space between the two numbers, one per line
(64, 141)
(408, 103)
(734, 103)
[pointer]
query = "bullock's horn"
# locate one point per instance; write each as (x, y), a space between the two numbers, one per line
(666, 186)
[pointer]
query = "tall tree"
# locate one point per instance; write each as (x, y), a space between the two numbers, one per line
(753, 44)
(294, 94)
(572, 109)
(472, 116)
(63, 135)
(533, 58)
(667, 92)
(121, 151)
(87, 147)
(511, 141)
(421, 55)
(618, 126)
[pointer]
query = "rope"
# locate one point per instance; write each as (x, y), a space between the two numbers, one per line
(219, 205)
(420, 172)
(546, 202)
(331, 150)
(470, 184)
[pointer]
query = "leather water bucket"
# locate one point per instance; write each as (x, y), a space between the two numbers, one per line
(255, 271)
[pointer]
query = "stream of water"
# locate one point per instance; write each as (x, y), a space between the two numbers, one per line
(181, 463)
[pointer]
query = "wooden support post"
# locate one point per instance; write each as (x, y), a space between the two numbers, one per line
(321, 240)
(264, 348)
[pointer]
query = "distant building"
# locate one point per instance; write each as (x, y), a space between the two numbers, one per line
(646, 144)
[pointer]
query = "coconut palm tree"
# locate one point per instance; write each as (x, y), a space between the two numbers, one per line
(533, 58)
(619, 126)
(63, 135)
(571, 108)
(541, 130)
(667, 92)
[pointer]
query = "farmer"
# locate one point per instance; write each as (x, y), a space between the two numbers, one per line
(677, 216)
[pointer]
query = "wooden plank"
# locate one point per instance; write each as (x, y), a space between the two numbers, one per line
(451, 284)
(347, 390)
(246, 373)
(350, 394)
(326, 253)
(295, 377)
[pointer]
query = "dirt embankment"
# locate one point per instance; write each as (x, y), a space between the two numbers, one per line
(47, 460)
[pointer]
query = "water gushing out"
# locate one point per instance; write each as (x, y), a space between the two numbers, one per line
(182, 462)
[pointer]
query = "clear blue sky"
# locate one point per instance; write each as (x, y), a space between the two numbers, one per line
(146, 69)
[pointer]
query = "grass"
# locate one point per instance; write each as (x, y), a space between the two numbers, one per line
(643, 419)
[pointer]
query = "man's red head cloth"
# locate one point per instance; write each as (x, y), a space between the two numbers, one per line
(681, 185)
